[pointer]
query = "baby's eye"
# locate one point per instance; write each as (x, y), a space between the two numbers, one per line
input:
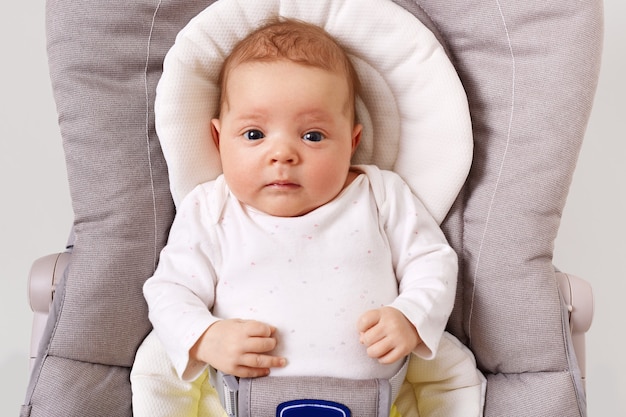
(253, 134)
(313, 136)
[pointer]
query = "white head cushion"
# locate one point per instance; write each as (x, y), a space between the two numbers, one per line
(413, 107)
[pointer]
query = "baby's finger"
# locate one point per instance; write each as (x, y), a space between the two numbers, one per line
(259, 361)
(368, 319)
(258, 329)
(373, 335)
(391, 356)
(259, 344)
(379, 349)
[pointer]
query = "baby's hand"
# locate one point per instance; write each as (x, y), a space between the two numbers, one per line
(387, 334)
(238, 347)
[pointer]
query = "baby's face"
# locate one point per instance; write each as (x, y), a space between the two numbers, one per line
(285, 135)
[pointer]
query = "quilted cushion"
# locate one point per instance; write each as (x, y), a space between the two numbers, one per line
(413, 106)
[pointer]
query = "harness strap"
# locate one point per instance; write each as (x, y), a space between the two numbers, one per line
(276, 396)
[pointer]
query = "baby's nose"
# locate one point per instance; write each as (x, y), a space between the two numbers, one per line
(284, 152)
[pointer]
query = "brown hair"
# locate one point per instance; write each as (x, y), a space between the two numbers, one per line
(296, 41)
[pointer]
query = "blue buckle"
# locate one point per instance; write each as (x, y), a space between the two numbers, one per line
(312, 408)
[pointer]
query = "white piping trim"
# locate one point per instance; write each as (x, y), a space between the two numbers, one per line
(154, 209)
(504, 157)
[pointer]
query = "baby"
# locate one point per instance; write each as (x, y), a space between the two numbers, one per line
(294, 261)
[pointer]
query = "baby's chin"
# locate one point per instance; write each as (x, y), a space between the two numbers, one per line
(283, 211)
(286, 200)
(284, 208)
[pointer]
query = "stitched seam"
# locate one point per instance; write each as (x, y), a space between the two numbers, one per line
(147, 127)
(499, 176)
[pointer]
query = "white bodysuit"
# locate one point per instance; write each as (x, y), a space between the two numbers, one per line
(310, 276)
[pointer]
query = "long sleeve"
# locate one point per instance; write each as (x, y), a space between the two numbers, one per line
(426, 266)
(181, 292)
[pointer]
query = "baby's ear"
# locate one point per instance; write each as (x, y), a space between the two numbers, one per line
(215, 132)
(356, 136)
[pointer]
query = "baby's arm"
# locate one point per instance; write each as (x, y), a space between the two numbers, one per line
(238, 347)
(180, 296)
(387, 334)
(426, 266)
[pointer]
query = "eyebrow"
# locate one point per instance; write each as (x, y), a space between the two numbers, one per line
(248, 118)
(315, 116)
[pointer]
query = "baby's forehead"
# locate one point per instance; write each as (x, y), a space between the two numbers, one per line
(255, 71)
(248, 64)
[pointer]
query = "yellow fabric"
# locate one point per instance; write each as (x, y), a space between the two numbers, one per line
(394, 412)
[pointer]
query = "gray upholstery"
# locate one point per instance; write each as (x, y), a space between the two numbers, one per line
(530, 70)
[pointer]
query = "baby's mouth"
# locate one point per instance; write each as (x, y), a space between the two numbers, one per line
(283, 185)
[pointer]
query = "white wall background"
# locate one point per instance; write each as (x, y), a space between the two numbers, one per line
(591, 242)
(36, 214)
(35, 210)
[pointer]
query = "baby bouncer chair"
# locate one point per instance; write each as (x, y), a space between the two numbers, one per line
(527, 73)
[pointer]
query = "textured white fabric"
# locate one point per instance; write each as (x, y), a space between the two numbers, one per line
(448, 386)
(413, 108)
(158, 392)
(310, 276)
